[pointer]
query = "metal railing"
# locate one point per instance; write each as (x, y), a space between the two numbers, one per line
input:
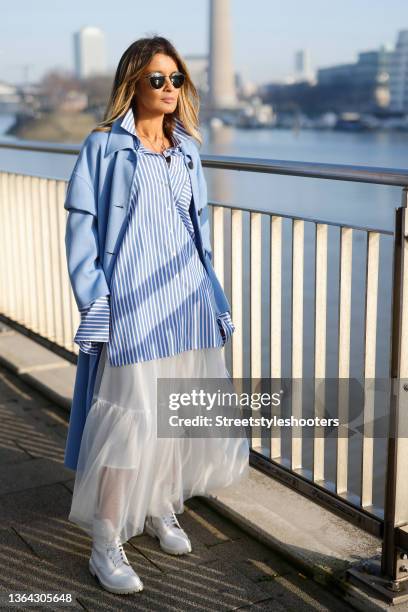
(35, 296)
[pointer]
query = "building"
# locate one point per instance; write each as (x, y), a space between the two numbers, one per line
(303, 66)
(399, 74)
(363, 86)
(373, 72)
(10, 98)
(358, 87)
(198, 68)
(335, 75)
(89, 52)
(221, 81)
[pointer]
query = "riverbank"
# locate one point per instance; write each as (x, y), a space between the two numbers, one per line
(61, 126)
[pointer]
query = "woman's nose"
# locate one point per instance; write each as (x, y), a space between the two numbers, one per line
(168, 84)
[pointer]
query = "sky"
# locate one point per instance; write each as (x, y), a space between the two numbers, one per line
(265, 33)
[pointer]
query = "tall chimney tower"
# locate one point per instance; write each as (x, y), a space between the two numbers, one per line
(222, 93)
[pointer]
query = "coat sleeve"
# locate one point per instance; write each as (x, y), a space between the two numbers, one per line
(85, 271)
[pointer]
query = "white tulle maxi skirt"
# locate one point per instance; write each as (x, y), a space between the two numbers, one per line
(126, 472)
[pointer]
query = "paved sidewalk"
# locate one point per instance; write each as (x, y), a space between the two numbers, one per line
(40, 550)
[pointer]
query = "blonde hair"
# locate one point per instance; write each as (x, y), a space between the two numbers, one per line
(131, 65)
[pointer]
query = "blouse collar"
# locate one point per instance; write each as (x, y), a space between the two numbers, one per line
(122, 136)
(179, 132)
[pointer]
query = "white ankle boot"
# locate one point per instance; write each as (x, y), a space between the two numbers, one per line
(109, 562)
(173, 539)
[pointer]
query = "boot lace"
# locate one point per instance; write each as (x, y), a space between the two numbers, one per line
(116, 553)
(171, 521)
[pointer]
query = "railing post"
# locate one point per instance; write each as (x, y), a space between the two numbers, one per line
(390, 577)
(395, 507)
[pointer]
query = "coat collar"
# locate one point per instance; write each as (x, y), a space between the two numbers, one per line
(123, 134)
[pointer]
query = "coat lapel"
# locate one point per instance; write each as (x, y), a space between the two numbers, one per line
(118, 138)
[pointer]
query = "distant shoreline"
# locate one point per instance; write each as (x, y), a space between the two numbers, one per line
(58, 126)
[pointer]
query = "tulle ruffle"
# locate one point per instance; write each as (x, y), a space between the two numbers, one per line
(125, 472)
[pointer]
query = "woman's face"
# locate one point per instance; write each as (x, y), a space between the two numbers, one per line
(157, 101)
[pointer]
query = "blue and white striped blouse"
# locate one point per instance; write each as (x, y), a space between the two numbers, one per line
(161, 300)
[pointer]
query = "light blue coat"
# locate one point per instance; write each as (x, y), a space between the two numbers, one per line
(97, 198)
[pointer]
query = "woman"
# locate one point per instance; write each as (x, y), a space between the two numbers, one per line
(153, 309)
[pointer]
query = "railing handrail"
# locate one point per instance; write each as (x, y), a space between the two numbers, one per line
(308, 219)
(397, 177)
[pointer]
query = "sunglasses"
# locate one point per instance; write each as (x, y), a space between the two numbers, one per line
(157, 79)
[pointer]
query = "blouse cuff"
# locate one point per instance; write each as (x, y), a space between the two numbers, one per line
(91, 348)
(94, 326)
(225, 324)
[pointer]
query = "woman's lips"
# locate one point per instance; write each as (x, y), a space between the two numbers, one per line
(168, 100)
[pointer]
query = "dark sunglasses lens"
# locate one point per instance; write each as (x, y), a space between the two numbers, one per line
(157, 81)
(177, 80)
